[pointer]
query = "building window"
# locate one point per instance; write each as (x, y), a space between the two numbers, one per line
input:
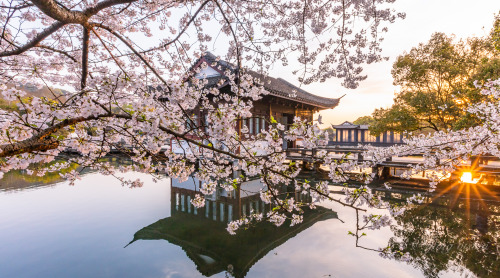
(349, 136)
(257, 125)
(214, 211)
(229, 213)
(263, 123)
(369, 138)
(221, 210)
(345, 136)
(195, 119)
(244, 123)
(250, 126)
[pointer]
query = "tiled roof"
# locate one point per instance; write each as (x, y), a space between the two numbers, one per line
(276, 86)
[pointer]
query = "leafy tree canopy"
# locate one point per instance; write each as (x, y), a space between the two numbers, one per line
(437, 81)
(364, 120)
(495, 33)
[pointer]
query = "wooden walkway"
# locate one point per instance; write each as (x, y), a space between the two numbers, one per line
(300, 154)
(479, 165)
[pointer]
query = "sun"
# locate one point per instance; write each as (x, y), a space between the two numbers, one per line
(467, 178)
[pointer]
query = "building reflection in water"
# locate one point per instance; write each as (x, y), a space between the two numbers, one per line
(202, 235)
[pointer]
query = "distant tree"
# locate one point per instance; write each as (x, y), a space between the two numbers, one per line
(397, 118)
(495, 32)
(364, 120)
(437, 82)
(329, 133)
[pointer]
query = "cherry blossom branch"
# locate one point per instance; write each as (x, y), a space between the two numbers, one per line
(34, 42)
(85, 57)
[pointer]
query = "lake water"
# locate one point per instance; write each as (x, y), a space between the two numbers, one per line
(97, 228)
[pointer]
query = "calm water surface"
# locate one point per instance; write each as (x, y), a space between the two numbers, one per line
(98, 228)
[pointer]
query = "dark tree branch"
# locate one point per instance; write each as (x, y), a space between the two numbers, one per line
(85, 57)
(58, 51)
(63, 16)
(55, 11)
(122, 39)
(34, 42)
(106, 4)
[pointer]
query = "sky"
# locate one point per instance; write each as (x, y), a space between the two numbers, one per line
(463, 18)
(423, 18)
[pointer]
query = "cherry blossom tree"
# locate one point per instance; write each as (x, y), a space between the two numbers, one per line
(128, 64)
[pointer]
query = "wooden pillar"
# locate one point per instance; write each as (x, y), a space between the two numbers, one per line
(388, 195)
(173, 201)
(360, 157)
(237, 205)
(294, 143)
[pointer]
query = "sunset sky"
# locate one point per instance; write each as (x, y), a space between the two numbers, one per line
(423, 17)
(463, 18)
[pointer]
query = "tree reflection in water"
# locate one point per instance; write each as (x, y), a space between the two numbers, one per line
(19, 179)
(449, 233)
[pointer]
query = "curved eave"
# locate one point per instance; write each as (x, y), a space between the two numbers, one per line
(333, 102)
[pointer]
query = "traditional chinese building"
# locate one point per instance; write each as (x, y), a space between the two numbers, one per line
(283, 103)
(349, 134)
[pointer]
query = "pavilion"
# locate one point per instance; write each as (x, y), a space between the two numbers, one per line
(283, 103)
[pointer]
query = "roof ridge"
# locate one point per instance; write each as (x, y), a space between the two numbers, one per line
(277, 86)
(302, 90)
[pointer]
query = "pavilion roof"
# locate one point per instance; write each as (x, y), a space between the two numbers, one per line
(349, 125)
(277, 87)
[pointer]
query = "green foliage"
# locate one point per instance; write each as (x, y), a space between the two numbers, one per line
(397, 118)
(437, 83)
(364, 120)
(8, 105)
(273, 121)
(495, 33)
(329, 133)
